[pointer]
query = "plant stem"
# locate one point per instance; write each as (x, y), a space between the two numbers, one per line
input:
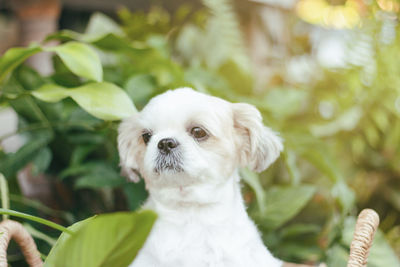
(36, 219)
(5, 201)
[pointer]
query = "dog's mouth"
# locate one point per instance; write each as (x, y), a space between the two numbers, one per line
(171, 162)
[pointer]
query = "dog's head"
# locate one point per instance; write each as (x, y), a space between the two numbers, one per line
(183, 137)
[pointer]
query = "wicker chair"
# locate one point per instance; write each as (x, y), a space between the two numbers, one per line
(367, 223)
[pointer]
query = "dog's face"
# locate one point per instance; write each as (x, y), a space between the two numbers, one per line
(183, 137)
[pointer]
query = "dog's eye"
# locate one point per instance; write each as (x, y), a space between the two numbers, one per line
(198, 133)
(146, 137)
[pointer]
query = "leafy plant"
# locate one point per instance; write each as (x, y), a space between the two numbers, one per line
(80, 244)
(332, 165)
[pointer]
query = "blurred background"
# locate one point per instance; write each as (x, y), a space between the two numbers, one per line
(324, 73)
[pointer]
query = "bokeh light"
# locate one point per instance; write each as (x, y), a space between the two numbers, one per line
(323, 13)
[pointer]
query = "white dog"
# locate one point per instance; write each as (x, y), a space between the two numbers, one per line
(188, 147)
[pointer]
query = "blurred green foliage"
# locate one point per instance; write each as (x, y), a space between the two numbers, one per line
(304, 205)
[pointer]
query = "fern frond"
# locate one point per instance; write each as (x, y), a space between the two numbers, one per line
(225, 28)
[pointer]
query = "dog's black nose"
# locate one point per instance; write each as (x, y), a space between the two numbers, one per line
(167, 144)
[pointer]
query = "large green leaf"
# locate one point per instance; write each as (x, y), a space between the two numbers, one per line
(80, 59)
(105, 240)
(103, 100)
(60, 243)
(14, 57)
(283, 203)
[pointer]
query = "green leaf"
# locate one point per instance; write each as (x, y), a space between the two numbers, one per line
(346, 196)
(104, 39)
(104, 100)
(99, 25)
(112, 42)
(80, 169)
(64, 35)
(55, 250)
(392, 195)
(253, 180)
(41, 161)
(24, 104)
(92, 138)
(294, 231)
(282, 102)
(289, 158)
(14, 57)
(28, 77)
(15, 161)
(106, 34)
(81, 60)
(81, 152)
(94, 175)
(100, 180)
(135, 194)
(345, 122)
(140, 88)
(50, 93)
(381, 254)
(316, 152)
(106, 240)
(283, 203)
(337, 256)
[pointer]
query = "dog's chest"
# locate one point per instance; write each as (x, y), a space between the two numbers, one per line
(193, 243)
(197, 244)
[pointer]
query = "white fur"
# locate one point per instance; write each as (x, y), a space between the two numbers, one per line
(202, 220)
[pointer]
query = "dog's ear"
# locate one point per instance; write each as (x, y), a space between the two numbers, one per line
(258, 145)
(127, 146)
